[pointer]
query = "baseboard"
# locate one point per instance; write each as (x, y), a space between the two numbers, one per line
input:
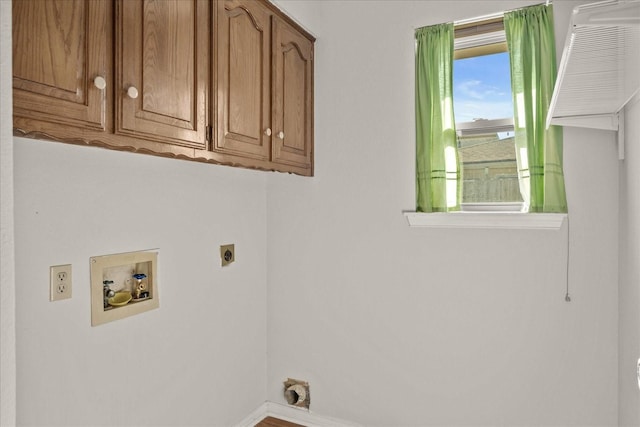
(254, 417)
(292, 414)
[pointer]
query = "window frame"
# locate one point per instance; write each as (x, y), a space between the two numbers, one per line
(487, 220)
(485, 215)
(473, 38)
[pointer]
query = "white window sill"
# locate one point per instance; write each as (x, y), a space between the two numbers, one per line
(505, 220)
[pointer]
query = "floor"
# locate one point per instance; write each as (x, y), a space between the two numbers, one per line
(274, 422)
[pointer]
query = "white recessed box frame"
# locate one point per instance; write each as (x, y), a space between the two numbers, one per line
(100, 264)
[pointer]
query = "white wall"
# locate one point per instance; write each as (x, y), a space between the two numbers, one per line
(7, 285)
(394, 326)
(399, 326)
(197, 360)
(630, 269)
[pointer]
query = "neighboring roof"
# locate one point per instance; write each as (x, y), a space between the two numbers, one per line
(487, 149)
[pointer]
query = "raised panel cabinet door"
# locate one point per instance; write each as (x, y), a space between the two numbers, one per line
(59, 49)
(162, 70)
(243, 79)
(292, 97)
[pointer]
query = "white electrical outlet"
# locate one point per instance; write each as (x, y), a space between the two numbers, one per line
(60, 282)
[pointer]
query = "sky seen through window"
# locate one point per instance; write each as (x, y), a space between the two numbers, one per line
(482, 88)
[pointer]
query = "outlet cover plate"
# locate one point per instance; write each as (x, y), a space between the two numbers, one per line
(59, 282)
(227, 254)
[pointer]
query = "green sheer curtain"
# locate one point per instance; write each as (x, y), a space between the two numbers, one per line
(438, 180)
(531, 44)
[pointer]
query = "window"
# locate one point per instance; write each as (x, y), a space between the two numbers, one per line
(483, 110)
(469, 142)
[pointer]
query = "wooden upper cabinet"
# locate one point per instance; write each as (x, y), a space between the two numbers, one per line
(219, 81)
(59, 48)
(264, 86)
(243, 78)
(292, 96)
(162, 70)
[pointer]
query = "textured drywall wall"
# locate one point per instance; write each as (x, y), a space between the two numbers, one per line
(200, 359)
(399, 326)
(630, 269)
(7, 286)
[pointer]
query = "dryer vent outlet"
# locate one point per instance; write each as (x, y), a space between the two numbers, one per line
(296, 393)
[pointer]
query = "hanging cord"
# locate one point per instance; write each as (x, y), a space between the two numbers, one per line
(567, 298)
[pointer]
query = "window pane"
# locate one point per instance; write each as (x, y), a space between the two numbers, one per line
(482, 88)
(489, 169)
(482, 91)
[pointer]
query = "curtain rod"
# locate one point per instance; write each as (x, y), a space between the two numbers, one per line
(479, 18)
(495, 15)
(488, 16)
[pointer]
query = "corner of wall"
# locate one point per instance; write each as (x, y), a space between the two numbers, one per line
(629, 271)
(7, 270)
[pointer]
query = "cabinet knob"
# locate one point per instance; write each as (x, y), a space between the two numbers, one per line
(100, 82)
(132, 92)
(281, 135)
(268, 132)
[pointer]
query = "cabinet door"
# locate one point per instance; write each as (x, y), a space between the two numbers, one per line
(292, 96)
(162, 60)
(243, 79)
(59, 48)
